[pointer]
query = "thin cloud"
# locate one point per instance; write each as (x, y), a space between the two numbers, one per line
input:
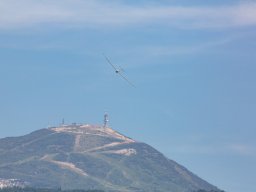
(194, 48)
(238, 149)
(242, 149)
(27, 13)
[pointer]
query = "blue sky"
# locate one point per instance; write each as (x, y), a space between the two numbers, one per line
(193, 64)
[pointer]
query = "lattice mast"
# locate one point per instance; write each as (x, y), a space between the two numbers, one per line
(106, 120)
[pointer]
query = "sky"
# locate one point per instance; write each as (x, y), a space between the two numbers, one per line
(192, 64)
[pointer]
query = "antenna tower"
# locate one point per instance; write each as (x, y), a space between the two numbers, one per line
(105, 120)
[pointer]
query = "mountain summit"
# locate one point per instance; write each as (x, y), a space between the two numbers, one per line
(92, 157)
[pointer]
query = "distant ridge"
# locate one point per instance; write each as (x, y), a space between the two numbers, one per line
(83, 156)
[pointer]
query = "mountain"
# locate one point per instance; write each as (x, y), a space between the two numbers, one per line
(92, 157)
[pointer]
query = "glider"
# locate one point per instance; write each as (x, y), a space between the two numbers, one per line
(118, 70)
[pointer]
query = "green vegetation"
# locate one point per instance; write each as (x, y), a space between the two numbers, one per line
(93, 160)
(202, 190)
(28, 189)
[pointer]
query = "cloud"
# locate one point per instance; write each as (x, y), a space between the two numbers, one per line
(203, 144)
(237, 149)
(211, 45)
(27, 13)
(242, 149)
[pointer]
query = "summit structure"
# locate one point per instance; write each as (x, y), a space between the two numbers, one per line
(106, 120)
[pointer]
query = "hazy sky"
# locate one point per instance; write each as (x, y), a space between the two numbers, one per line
(193, 64)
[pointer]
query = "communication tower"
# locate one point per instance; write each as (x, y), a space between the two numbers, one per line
(106, 120)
